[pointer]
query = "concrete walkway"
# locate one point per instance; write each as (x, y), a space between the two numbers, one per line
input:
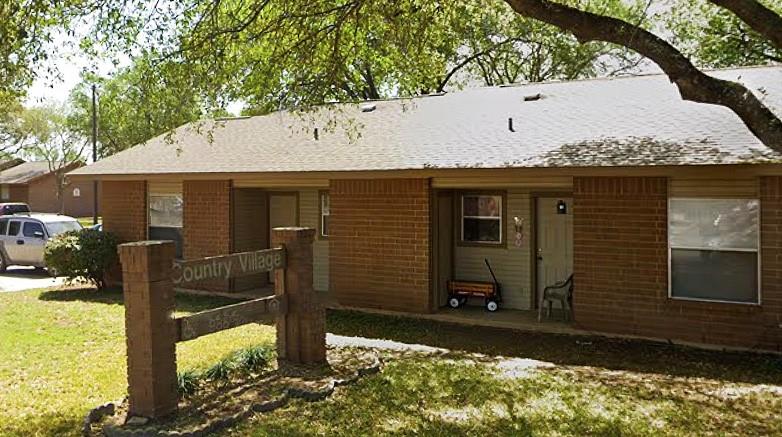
(26, 278)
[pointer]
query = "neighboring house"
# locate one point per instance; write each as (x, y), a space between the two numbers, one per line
(35, 184)
(668, 212)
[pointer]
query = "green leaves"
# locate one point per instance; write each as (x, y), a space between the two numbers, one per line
(717, 38)
(140, 102)
(87, 254)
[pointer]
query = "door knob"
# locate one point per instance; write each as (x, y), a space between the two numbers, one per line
(540, 255)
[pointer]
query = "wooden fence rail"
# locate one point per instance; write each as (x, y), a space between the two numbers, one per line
(227, 317)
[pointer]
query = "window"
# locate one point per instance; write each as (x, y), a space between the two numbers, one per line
(481, 219)
(30, 229)
(165, 219)
(5, 192)
(713, 246)
(57, 228)
(13, 228)
(15, 208)
(3, 227)
(325, 213)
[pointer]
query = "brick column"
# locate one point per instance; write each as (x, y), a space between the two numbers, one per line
(149, 328)
(207, 224)
(301, 331)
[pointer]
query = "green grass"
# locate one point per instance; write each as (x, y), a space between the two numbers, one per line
(63, 352)
(87, 221)
(589, 386)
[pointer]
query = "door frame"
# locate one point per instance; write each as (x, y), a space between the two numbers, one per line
(533, 229)
(434, 240)
(269, 195)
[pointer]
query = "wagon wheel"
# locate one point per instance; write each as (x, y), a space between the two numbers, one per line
(454, 302)
(492, 305)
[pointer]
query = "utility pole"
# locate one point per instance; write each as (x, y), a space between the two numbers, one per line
(94, 156)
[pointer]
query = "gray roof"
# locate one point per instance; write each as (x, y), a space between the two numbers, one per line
(629, 121)
(24, 173)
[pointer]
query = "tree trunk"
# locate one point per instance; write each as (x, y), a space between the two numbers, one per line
(693, 84)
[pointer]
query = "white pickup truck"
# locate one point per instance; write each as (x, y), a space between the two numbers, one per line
(24, 237)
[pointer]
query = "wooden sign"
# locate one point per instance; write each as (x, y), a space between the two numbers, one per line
(228, 266)
(227, 317)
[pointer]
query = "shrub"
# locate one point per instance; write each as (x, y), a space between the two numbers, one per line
(254, 359)
(82, 255)
(187, 383)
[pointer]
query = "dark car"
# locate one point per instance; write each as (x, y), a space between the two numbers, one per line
(11, 208)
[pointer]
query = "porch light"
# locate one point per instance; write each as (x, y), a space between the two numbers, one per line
(561, 207)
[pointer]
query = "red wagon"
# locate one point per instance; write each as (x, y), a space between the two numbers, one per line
(490, 292)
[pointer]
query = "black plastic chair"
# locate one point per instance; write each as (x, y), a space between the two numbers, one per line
(561, 291)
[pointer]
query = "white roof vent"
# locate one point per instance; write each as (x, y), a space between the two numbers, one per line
(368, 107)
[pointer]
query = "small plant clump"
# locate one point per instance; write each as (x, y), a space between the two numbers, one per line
(251, 360)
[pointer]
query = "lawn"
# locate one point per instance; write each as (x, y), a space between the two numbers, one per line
(495, 382)
(63, 353)
(87, 221)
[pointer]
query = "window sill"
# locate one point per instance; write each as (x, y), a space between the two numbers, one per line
(713, 301)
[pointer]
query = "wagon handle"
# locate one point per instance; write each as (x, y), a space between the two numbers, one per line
(486, 260)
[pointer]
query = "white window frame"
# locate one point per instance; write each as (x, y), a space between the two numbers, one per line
(323, 212)
(500, 218)
(756, 251)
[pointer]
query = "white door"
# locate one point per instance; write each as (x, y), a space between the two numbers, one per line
(554, 228)
(14, 243)
(283, 212)
(34, 240)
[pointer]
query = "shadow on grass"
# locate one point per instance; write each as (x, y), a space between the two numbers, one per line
(569, 350)
(113, 296)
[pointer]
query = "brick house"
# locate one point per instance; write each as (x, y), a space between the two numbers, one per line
(669, 213)
(35, 183)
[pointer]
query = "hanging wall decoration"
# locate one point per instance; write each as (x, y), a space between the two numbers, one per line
(518, 225)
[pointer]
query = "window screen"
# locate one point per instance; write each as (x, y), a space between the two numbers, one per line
(481, 218)
(165, 211)
(713, 247)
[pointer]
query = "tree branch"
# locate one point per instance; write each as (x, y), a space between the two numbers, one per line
(760, 18)
(441, 86)
(693, 84)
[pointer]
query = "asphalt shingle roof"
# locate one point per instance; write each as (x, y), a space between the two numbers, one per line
(630, 121)
(24, 173)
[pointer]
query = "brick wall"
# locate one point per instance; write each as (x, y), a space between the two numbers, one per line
(79, 206)
(42, 194)
(379, 243)
(125, 214)
(207, 223)
(621, 268)
(18, 193)
(124, 205)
